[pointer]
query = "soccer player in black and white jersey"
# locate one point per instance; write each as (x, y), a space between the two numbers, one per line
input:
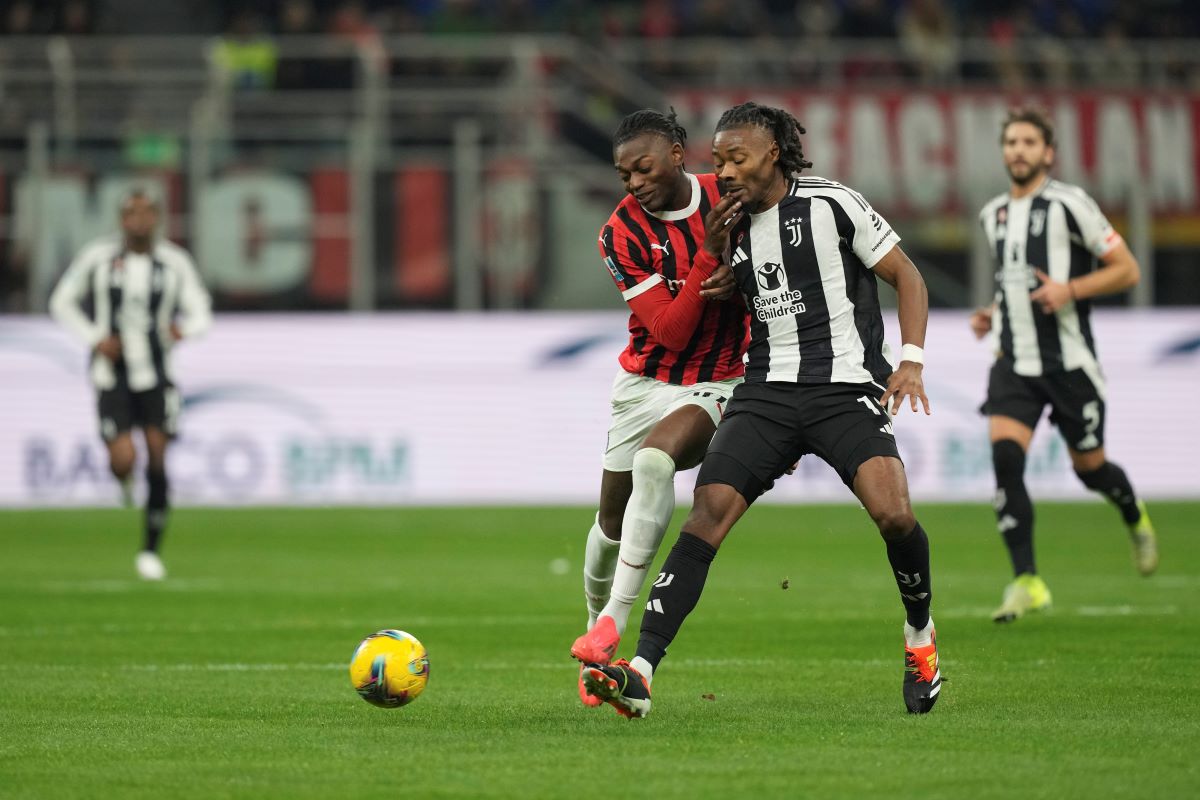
(130, 298)
(1054, 251)
(818, 381)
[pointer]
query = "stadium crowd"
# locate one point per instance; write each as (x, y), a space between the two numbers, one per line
(999, 20)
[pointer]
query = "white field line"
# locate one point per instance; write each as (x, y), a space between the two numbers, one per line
(526, 620)
(566, 665)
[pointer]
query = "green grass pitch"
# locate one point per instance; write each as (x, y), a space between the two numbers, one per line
(230, 680)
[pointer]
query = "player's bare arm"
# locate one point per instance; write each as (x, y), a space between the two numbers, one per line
(1119, 272)
(981, 320)
(902, 275)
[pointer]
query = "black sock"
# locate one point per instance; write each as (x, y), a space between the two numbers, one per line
(1111, 481)
(909, 558)
(156, 508)
(674, 595)
(1014, 509)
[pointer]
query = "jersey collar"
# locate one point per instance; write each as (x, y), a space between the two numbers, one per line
(683, 213)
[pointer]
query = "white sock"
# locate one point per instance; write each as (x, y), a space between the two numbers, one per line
(646, 519)
(599, 560)
(644, 668)
(919, 638)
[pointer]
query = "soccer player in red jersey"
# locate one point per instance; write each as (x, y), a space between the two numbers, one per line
(683, 360)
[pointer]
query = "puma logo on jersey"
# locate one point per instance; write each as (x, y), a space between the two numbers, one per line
(666, 248)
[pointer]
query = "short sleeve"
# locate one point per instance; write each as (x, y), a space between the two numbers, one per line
(627, 263)
(1097, 233)
(873, 236)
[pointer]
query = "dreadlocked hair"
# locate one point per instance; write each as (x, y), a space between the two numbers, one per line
(783, 126)
(650, 121)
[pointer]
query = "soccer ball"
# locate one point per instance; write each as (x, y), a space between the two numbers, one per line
(389, 669)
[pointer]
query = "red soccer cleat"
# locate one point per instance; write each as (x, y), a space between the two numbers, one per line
(598, 645)
(589, 700)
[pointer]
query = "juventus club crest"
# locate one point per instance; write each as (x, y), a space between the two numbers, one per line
(1037, 221)
(794, 228)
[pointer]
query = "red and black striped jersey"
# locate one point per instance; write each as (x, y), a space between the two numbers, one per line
(675, 335)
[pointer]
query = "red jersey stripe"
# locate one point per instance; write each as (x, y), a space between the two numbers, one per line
(636, 247)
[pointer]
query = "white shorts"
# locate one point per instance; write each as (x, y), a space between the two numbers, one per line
(638, 403)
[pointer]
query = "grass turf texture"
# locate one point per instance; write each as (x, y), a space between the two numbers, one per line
(230, 678)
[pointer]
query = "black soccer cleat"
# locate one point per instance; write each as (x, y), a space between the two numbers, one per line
(619, 685)
(922, 678)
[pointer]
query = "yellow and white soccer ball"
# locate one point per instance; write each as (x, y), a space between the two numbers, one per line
(389, 669)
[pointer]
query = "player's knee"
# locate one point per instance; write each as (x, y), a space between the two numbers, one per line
(715, 508)
(610, 522)
(1095, 478)
(653, 466)
(894, 523)
(1008, 459)
(120, 461)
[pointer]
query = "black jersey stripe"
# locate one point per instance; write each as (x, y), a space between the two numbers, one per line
(813, 330)
(708, 365)
(823, 183)
(1082, 262)
(1000, 217)
(1037, 255)
(634, 227)
(862, 290)
(613, 259)
(157, 283)
(668, 257)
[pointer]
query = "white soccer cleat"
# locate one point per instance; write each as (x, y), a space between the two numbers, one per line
(150, 566)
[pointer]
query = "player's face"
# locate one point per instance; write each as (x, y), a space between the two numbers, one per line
(139, 218)
(1026, 156)
(745, 160)
(650, 168)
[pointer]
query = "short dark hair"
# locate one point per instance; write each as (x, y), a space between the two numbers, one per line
(140, 192)
(783, 126)
(650, 121)
(1035, 117)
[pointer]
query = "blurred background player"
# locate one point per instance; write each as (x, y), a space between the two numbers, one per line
(130, 298)
(817, 381)
(683, 360)
(1054, 250)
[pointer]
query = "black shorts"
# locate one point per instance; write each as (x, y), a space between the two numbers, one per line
(1076, 405)
(767, 427)
(121, 409)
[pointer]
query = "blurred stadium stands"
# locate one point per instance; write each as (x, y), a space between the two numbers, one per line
(454, 154)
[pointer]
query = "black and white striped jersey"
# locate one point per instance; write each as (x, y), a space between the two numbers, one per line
(1060, 230)
(804, 267)
(109, 290)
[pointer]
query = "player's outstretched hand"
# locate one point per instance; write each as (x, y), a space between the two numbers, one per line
(719, 285)
(109, 347)
(1051, 295)
(981, 322)
(906, 381)
(718, 222)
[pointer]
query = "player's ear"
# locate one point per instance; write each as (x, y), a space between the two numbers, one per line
(676, 154)
(1050, 154)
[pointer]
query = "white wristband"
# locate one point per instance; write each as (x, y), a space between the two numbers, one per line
(910, 352)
